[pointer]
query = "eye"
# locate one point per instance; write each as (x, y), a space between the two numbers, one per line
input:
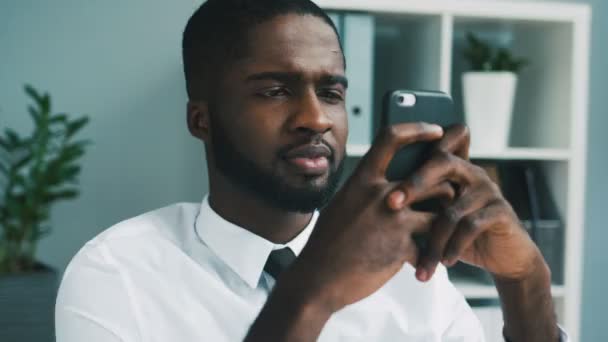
(275, 92)
(331, 95)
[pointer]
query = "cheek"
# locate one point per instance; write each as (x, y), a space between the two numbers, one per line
(340, 129)
(256, 134)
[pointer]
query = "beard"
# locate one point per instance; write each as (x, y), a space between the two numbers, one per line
(270, 186)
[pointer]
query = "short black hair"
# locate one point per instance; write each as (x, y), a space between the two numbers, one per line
(216, 34)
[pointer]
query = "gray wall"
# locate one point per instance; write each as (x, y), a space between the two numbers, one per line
(595, 299)
(120, 63)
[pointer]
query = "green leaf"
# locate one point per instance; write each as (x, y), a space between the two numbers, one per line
(31, 92)
(13, 138)
(70, 153)
(34, 114)
(18, 179)
(4, 143)
(74, 126)
(23, 161)
(60, 195)
(14, 208)
(58, 173)
(69, 173)
(477, 53)
(59, 118)
(45, 104)
(482, 58)
(41, 232)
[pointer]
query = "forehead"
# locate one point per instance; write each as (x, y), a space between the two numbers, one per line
(300, 43)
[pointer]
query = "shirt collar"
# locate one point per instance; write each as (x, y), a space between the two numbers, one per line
(243, 251)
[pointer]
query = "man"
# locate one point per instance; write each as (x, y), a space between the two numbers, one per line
(266, 87)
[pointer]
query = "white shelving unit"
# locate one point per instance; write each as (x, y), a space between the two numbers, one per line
(514, 153)
(475, 290)
(418, 47)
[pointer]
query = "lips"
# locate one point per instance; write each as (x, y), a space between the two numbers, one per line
(309, 159)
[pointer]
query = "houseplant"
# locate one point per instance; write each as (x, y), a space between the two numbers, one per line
(36, 171)
(489, 94)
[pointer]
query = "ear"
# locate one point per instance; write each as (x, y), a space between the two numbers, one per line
(198, 119)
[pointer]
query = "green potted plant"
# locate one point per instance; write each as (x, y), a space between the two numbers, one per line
(489, 94)
(36, 171)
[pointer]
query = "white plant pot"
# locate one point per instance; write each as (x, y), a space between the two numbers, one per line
(488, 106)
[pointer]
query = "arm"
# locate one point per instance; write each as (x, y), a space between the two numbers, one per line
(356, 241)
(291, 314)
(527, 306)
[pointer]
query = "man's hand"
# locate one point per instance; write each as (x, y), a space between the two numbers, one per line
(479, 226)
(357, 239)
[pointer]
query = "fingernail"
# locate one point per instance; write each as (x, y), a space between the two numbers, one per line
(435, 128)
(397, 199)
(421, 274)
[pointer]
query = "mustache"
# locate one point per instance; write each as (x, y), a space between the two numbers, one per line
(284, 151)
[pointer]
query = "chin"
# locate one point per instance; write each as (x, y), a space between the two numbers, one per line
(313, 183)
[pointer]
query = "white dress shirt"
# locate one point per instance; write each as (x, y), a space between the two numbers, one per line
(183, 273)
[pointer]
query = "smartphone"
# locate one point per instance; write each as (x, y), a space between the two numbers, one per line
(401, 106)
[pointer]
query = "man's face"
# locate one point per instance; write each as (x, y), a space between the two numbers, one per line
(278, 121)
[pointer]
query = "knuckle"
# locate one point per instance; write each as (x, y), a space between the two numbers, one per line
(390, 133)
(375, 189)
(480, 175)
(503, 204)
(471, 223)
(421, 128)
(442, 157)
(416, 181)
(465, 131)
(478, 170)
(496, 191)
(460, 132)
(452, 215)
(385, 135)
(502, 218)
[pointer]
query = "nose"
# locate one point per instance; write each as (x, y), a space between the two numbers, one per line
(310, 117)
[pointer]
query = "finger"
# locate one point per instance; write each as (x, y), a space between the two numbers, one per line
(441, 168)
(414, 222)
(456, 140)
(391, 139)
(420, 223)
(410, 251)
(470, 228)
(444, 227)
(443, 191)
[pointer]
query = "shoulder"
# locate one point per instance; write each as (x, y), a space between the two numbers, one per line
(104, 255)
(166, 222)
(96, 277)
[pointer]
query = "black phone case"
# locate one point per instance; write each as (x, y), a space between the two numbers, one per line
(431, 107)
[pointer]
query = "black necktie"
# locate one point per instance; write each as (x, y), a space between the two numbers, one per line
(278, 261)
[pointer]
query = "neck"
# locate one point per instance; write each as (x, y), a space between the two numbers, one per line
(249, 212)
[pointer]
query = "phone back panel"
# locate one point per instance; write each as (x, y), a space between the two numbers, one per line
(431, 107)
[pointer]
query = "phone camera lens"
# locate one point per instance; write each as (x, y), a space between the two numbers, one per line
(406, 100)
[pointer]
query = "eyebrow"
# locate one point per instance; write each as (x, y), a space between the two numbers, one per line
(289, 77)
